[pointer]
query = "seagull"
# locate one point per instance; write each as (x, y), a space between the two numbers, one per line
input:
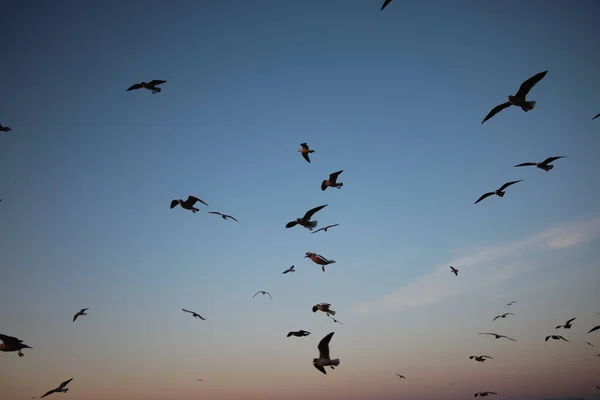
(224, 216)
(305, 221)
(324, 359)
(81, 312)
(556, 337)
(596, 117)
(319, 259)
(290, 269)
(335, 320)
(483, 394)
(4, 128)
(300, 333)
(194, 314)
(325, 228)
(496, 336)
(324, 307)
(305, 151)
(498, 192)
(519, 99)
(588, 343)
(502, 316)
(511, 303)
(481, 358)
(332, 181)
(567, 325)
(263, 293)
(545, 165)
(188, 204)
(401, 376)
(453, 270)
(147, 85)
(385, 3)
(60, 389)
(10, 343)
(594, 329)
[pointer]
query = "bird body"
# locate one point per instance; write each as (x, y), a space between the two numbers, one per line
(332, 181)
(10, 343)
(498, 192)
(188, 204)
(305, 151)
(152, 86)
(324, 307)
(544, 165)
(319, 259)
(305, 220)
(80, 312)
(324, 360)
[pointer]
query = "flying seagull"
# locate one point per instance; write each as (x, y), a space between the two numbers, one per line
(481, 358)
(305, 151)
(498, 192)
(332, 181)
(300, 333)
(194, 314)
(483, 394)
(594, 329)
(10, 343)
(224, 216)
(502, 316)
(324, 359)
(596, 117)
(319, 259)
(545, 165)
(588, 343)
(305, 221)
(324, 307)
(401, 376)
(4, 128)
(453, 270)
(496, 336)
(385, 3)
(519, 99)
(152, 86)
(511, 303)
(335, 320)
(556, 337)
(567, 325)
(60, 389)
(188, 204)
(325, 228)
(290, 269)
(80, 312)
(263, 293)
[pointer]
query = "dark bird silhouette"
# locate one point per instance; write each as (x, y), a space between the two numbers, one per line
(401, 376)
(498, 192)
(319, 259)
(519, 99)
(152, 86)
(502, 316)
(335, 320)
(224, 216)
(589, 344)
(305, 221)
(60, 389)
(484, 394)
(497, 336)
(199, 380)
(454, 270)
(567, 325)
(556, 337)
(188, 204)
(194, 314)
(305, 151)
(263, 293)
(385, 3)
(594, 329)
(4, 128)
(511, 303)
(300, 333)
(80, 312)
(10, 343)
(324, 229)
(332, 181)
(545, 165)
(481, 358)
(290, 269)
(324, 307)
(596, 117)
(324, 360)
(597, 387)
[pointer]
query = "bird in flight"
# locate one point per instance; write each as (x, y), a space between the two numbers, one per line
(332, 181)
(545, 165)
(194, 314)
(556, 337)
(511, 303)
(60, 389)
(4, 128)
(300, 333)
(385, 3)
(80, 312)
(324, 359)
(594, 329)
(319, 259)
(502, 316)
(335, 320)
(588, 343)
(324, 307)
(596, 117)
(188, 204)
(400, 376)
(454, 270)
(325, 228)
(483, 394)
(520, 98)
(152, 86)
(224, 216)
(498, 192)
(305, 151)
(567, 325)
(263, 293)
(199, 380)
(481, 358)
(10, 343)
(496, 336)
(290, 269)
(305, 221)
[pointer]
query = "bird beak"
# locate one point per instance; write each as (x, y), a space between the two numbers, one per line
(306, 256)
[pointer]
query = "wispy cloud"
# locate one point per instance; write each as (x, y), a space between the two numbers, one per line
(496, 264)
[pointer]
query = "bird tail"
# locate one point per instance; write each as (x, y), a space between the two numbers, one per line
(313, 224)
(529, 105)
(335, 362)
(331, 261)
(340, 184)
(311, 151)
(501, 194)
(157, 89)
(331, 312)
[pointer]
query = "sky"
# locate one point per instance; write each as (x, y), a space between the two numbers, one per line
(395, 99)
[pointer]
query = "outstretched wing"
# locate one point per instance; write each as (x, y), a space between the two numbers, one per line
(495, 111)
(320, 229)
(269, 295)
(65, 383)
(483, 197)
(49, 392)
(596, 117)
(323, 185)
(10, 340)
(571, 320)
(291, 224)
(333, 177)
(324, 346)
(550, 159)
(526, 164)
(385, 3)
(174, 203)
(530, 83)
(155, 82)
(312, 212)
(320, 368)
(187, 311)
(304, 146)
(305, 155)
(591, 330)
(507, 184)
(134, 87)
(215, 212)
(495, 318)
(230, 217)
(195, 199)
(256, 294)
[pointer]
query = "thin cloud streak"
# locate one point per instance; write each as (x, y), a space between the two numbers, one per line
(486, 267)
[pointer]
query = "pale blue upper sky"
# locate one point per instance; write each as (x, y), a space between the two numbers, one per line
(393, 98)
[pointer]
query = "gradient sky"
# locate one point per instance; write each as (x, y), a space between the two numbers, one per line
(393, 98)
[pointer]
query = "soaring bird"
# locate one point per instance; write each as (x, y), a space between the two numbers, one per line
(481, 358)
(484, 394)
(496, 336)
(556, 337)
(10, 343)
(324, 229)
(454, 270)
(596, 117)
(300, 333)
(324, 359)
(567, 325)
(152, 86)
(290, 269)
(4, 128)
(335, 320)
(60, 389)
(80, 312)
(385, 3)
(545, 165)
(589, 344)
(594, 329)
(502, 316)
(319, 259)
(511, 303)
(498, 192)
(224, 216)
(194, 314)
(305, 221)
(305, 151)
(188, 204)
(324, 307)
(332, 181)
(519, 99)
(263, 293)
(400, 376)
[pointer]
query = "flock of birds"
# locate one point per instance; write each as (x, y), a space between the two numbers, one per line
(13, 344)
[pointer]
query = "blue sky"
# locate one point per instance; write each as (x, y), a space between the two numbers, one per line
(393, 98)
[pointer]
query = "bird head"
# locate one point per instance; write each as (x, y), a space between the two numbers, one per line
(315, 308)
(308, 254)
(315, 360)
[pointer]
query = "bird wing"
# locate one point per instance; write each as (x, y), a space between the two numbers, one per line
(331, 226)
(230, 217)
(305, 155)
(174, 203)
(65, 383)
(547, 337)
(320, 229)
(215, 212)
(385, 3)
(509, 338)
(320, 368)
(195, 199)
(563, 339)
(496, 318)
(312, 212)
(8, 340)
(485, 196)
(590, 344)
(530, 83)
(591, 330)
(333, 177)
(487, 357)
(269, 295)
(134, 87)
(550, 159)
(571, 320)
(495, 111)
(324, 347)
(304, 146)
(507, 184)
(48, 393)
(76, 316)
(291, 224)
(155, 82)
(323, 185)
(256, 294)
(526, 164)
(596, 117)
(290, 334)
(187, 311)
